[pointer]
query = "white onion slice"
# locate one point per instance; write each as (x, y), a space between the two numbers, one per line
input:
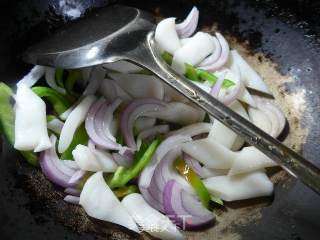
(123, 67)
(32, 77)
(149, 219)
(260, 119)
(99, 202)
(85, 72)
(192, 129)
(240, 187)
(189, 25)
(168, 144)
(111, 90)
(132, 84)
(96, 76)
(104, 158)
(250, 159)
(55, 125)
(249, 75)
(172, 95)
(74, 120)
(223, 134)
(143, 123)
(246, 97)
(151, 132)
(51, 81)
(222, 60)
(203, 171)
(210, 153)
(66, 114)
(30, 121)
(205, 87)
(177, 112)
(89, 160)
(215, 55)
(166, 36)
(193, 52)
(276, 116)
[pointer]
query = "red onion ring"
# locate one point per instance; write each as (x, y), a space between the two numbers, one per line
(72, 199)
(223, 58)
(72, 191)
(165, 172)
(76, 177)
(188, 26)
(169, 144)
(232, 96)
(214, 56)
(95, 124)
(185, 209)
(202, 172)
(146, 176)
(55, 169)
(151, 132)
(135, 109)
(217, 86)
(121, 160)
(71, 164)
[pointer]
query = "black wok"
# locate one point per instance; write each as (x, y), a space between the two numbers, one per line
(281, 38)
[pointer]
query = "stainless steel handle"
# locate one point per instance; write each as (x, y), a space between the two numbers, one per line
(147, 56)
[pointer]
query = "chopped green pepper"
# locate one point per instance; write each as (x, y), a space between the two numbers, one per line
(191, 73)
(217, 200)
(73, 77)
(124, 191)
(83, 180)
(59, 77)
(50, 118)
(167, 57)
(7, 121)
(194, 181)
(197, 74)
(59, 102)
(80, 137)
(123, 175)
(212, 79)
(120, 139)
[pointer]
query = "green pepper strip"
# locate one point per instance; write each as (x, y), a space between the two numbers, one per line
(217, 200)
(7, 121)
(59, 102)
(120, 139)
(123, 175)
(194, 181)
(80, 137)
(122, 192)
(73, 77)
(167, 57)
(51, 117)
(197, 74)
(59, 77)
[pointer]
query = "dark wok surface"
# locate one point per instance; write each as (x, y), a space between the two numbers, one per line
(287, 32)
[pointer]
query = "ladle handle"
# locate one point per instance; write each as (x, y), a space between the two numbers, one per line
(147, 56)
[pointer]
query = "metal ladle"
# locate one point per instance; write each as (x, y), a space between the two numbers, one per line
(123, 33)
